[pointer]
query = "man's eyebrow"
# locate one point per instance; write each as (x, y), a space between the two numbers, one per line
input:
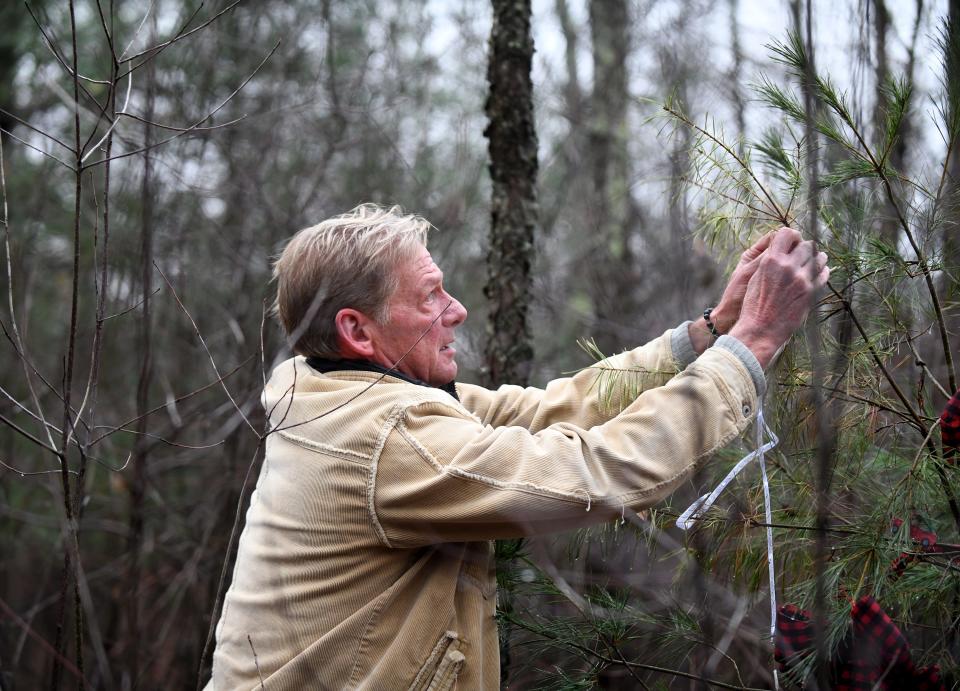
(433, 277)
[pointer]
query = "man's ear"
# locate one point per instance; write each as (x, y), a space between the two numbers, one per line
(355, 334)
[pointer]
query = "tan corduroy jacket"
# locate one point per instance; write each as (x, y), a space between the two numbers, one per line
(366, 561)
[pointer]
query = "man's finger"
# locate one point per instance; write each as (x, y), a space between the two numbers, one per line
(823, 277)
(759, 247)
(803, 252)
(821, 261)
(784, 240)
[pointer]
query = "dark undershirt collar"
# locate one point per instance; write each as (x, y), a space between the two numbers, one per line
(325, 365)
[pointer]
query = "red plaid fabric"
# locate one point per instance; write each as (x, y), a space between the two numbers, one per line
(950, 428)
(925, 540)
(873, 654)
(794, 638)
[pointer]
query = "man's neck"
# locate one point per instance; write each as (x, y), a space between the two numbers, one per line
(325, 365)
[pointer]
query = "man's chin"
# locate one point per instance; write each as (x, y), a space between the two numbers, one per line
(447, 376)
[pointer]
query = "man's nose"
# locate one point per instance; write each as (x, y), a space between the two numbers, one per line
(455, 314)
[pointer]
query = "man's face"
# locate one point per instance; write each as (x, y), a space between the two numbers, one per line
(422, 320)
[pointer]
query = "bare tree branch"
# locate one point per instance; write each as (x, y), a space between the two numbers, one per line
(198, 123)
(179, 36)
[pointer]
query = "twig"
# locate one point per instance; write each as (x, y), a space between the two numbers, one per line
(37, 149)
(116, 118)
(636, 665)
(106, 32)
(180, 35)
(219, 380)
(32, 128)
(255, 661)
(16, 340)
(723, 145)
(136, 34)
(29, 366)
(50, 44)
(168, 442)
(29, 473)
(199, 122)
(221, 126)
(130, 308)
(10, 397)
(67, 663)
(16, 428)
(916, 458)
(860, 399)
(876, 358)
(213, 362)
(908, 340)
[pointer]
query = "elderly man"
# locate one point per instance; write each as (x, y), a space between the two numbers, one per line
(366, 559)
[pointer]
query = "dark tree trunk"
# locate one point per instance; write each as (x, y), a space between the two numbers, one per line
(513, 170)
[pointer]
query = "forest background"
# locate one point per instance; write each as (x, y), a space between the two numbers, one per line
(139, 228)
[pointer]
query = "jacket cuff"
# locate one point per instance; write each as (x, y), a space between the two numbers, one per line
(681, 347)
(746, 356)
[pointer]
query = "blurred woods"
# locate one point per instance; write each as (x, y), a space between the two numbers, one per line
(156, 154)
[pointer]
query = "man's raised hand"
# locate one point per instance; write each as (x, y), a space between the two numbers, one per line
(780, 293)
(727, 311)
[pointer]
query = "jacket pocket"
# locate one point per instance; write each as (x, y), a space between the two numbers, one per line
(440, 671)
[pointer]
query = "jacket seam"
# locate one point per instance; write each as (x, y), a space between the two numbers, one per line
(576, 496)
(389, 424)
(319, 447)
(363, 639)
(441, 469)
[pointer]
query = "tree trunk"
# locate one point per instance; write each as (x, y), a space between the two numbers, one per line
(513, 171)
(736, 73)
(889, 229)
(951, 228)
(139, 480)
(611, 212)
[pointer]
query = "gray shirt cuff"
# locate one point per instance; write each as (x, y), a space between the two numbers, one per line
(747, 357)
(683, 352)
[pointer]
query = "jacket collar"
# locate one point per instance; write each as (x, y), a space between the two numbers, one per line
(324, 365)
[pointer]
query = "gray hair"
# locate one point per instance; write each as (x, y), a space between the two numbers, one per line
(345, 261)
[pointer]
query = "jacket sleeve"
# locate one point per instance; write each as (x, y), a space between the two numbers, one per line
(591, 397)
(444, 476)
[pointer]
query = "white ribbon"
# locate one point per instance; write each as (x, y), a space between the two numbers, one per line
(703, 504)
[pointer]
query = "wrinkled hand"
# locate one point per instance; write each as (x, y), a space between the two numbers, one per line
(780, 293)
(727, 311)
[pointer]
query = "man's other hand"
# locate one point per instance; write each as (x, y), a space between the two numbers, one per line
(780, 293)
(727, 311)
